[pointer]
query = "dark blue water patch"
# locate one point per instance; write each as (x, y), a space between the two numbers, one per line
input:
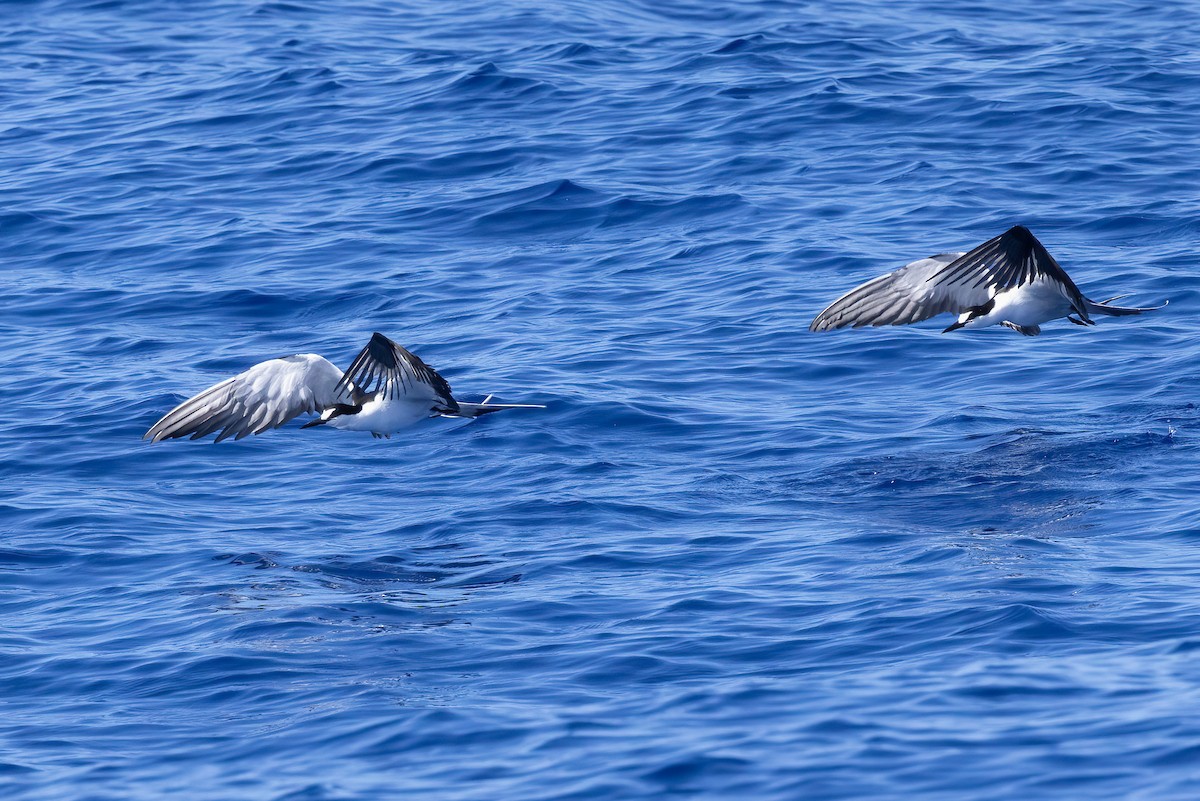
(490, 82)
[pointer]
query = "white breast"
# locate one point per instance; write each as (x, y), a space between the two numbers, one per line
(384, 416)
(1032, 304)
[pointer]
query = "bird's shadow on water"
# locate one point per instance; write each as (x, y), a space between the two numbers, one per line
(1022, 479)
(404, 588)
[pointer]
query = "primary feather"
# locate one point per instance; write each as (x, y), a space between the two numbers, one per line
(266, 396)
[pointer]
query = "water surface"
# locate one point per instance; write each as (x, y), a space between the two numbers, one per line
(732, 559)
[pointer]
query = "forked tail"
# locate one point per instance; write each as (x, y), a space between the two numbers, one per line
(486, 407)
(1116, 311)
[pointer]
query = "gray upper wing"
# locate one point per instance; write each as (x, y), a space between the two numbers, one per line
(907, 295)
(266, 396)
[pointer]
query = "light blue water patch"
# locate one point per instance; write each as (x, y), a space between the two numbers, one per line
(732, 559)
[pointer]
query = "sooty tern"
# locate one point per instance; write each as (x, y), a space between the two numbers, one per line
(1009, 280)
(385, 388)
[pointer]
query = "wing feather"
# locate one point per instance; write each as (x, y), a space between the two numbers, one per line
(383, 366)
(898, 298)
(266, 396)
(1012, 259)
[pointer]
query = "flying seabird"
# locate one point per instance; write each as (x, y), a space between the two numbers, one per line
(1010, 280)
(385, 388)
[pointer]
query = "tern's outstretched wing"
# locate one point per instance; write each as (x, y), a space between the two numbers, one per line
(950, 283)
(383, 366)
(265, 396)
(904, 296)
(1013, 259)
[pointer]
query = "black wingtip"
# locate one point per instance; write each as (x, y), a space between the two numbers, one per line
(1022, 236)
(383, 350)
(379, 341)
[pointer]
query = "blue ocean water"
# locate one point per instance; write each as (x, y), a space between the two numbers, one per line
(732, 559)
